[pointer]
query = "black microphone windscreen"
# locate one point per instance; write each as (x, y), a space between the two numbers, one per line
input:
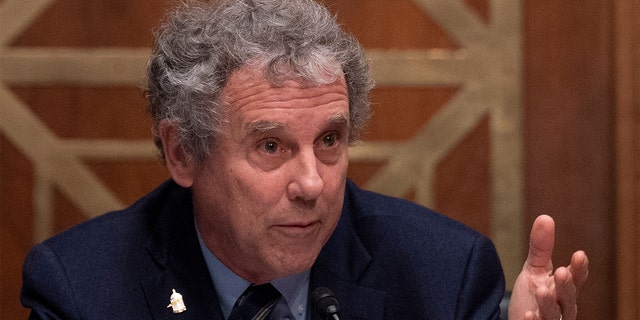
(325, 302)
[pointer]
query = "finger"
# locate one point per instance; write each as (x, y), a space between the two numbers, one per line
(541, 243)
(565, 293)
(579, 268)
(529, 315)
(547, 305)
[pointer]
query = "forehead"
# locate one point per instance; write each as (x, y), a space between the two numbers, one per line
(248, 93)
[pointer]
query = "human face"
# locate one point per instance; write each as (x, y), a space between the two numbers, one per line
(270, 196)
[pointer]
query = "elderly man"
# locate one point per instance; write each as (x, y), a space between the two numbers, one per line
(255, 103)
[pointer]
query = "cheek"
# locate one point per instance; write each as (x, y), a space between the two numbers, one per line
(333, 193)
(335, 176)
(259, 189)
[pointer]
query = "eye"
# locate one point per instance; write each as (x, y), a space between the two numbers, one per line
(330, 139)
(269, 153)
(271, 146)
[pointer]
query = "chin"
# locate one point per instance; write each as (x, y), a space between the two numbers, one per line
(294, 265)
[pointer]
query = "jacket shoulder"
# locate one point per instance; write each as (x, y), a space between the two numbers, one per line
(133, 222)
(429, 266)
(402, 219)
(102, 262)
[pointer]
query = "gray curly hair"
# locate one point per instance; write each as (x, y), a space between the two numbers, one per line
(200, 44)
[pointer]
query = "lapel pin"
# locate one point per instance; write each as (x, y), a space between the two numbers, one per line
(177, 304)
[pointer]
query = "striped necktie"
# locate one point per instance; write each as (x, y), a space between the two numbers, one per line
(256, 303)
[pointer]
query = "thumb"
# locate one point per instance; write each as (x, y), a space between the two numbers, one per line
(541, 243)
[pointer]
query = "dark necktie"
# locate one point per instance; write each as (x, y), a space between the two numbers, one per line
(255, 303)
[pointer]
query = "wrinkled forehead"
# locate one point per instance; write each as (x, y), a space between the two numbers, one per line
(307, 69)
(249, 97)
(252, 78)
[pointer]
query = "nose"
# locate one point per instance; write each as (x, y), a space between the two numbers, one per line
(306, 183)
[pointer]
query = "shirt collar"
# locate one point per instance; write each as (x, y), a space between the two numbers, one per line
(229, 286)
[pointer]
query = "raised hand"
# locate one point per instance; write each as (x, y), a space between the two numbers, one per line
(540, 293)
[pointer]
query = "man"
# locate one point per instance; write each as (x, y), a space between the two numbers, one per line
(254, 105)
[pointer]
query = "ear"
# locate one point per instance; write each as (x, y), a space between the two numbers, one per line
(180, 164)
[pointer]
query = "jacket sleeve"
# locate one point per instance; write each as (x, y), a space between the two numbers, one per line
(45, 288)
(483, 283)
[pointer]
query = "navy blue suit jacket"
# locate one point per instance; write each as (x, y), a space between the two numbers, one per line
(387, 259)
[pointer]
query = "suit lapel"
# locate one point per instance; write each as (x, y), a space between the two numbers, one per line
(356, 302)
(339, 267)
(174, 246)
(200, 303)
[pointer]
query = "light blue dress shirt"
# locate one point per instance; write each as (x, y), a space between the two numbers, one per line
(229, 286)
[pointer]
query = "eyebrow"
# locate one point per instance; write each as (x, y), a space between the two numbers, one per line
(338, 119)
(262, 127)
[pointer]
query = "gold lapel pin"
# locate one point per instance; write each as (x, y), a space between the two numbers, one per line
(177, 304)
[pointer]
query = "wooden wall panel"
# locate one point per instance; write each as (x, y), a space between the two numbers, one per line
(106, 23)
(627, 81)
(16, 226)
(89, 123)
(569, 136)
(399, 24)
(463, 181)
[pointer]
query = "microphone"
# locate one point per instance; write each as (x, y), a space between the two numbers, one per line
(325, 303)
